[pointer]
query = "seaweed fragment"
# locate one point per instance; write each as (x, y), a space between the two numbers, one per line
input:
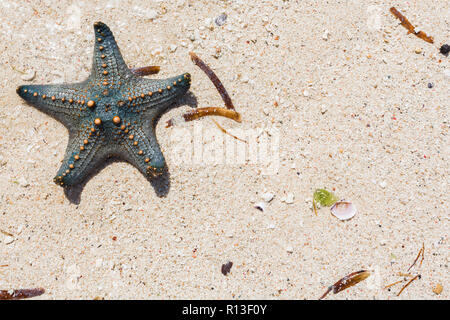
(409, 282)
(407, 274)
(346, 282)
(421, 253)
(226, 132)
(228, 112)
(208, 111)
(214, 79)
(20, 293)
(324, 198)
(408, 26)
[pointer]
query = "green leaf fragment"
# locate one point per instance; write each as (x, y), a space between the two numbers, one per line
(324, 198)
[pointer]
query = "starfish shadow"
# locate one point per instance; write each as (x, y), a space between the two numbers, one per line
(161, 183)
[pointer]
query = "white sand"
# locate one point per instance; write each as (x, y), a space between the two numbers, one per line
(382, 142)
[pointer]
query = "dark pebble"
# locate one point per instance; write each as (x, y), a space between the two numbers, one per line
(445, 49)
(226, 267)
(430, 85)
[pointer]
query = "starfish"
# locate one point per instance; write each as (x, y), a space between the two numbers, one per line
(110, 114)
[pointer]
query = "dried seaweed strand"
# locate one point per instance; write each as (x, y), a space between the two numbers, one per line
(421, 252)
(393, 284)
(409, 282)
(326, 292)
(209, 111)
(408, 26)
(229, 112)
(6, 233)
(145, 71)
(348, 281)
(214, 79)
(212, 111)
(226, 132)
(20, 293)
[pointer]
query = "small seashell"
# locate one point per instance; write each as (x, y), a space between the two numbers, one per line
(29, 75)
(267, 197)
(172, 48)
(261, 206)
(9, 239)
(289, 198)
(343, 210)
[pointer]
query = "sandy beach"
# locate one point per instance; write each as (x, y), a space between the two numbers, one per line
(334, 96)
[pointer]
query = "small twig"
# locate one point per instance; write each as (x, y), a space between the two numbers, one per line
(314, 206)
(409, 282)
(4, 265)
(214, 79)
(393, 284)
(421, 252)
(145, 71)
(226, 132)
(408, 26)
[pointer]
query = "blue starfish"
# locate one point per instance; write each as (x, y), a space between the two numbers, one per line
(110, 114)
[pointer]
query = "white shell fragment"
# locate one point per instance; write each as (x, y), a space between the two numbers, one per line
(261, 206)
(343, 210)
(9, 240)
(267, 197)
(29, 75)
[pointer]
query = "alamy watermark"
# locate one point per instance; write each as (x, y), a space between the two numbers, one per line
(197, 145)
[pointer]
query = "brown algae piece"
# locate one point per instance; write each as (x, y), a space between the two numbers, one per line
(408, 283)
(214, 79)
(346, 282)
(20, 293)
(408, 26)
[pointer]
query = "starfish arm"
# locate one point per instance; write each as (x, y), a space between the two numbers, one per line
(143, 152)
(148, 95)
(64, 102)
(108, 64)
(83, 153)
